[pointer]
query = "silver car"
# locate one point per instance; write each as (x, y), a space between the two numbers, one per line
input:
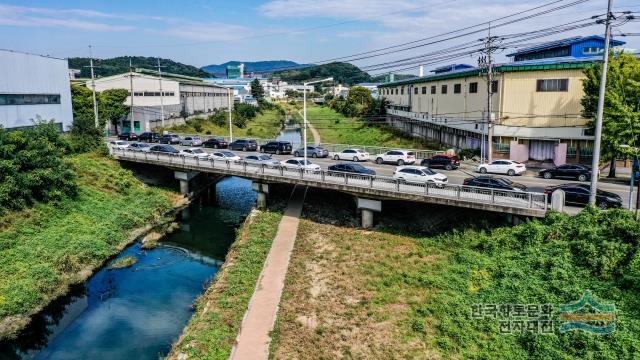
(191, 141)
(139, 146)
(261, 160)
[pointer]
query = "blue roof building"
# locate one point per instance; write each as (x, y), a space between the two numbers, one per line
(577, 47)
(450, 67)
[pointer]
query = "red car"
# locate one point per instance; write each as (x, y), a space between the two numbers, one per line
(444, 161)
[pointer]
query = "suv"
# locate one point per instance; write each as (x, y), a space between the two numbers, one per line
(169, 139)
(129, 136)
(149, 137)
(399, 157)
(244, 145)
(444, 161)
(276, 147)
(313, 151)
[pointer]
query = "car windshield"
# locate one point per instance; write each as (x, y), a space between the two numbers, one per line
(358, 167)
(428, 171)
(305, 162)
(228, 153)
(410, 153)
(197, 151)
(264, 157)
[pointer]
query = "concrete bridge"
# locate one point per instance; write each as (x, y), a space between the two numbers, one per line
(369, 191)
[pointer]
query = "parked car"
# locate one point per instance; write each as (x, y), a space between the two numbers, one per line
(488, 181)
(351, 169)
(276, 147)
(216, 143)
(399, 157)
(139, 146)
(299, 163)
(573, 171)
(262, 160)
(351, 154)
(129, 136)
(163, 148)
(119, 144)
(443, 161)
(313, 151)
(149, 137)
(170, 139)
(244, 145)
(419, 174)
(195, 153)
(191, 141)
(508, 167)
(578, 194)
(225, 155)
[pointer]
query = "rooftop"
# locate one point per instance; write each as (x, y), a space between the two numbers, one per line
(564, 42)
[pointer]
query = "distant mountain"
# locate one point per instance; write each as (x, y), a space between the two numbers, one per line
(258, 67)
(119, 65)
(343, 73)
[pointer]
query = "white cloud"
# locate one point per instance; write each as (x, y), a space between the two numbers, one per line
(71, 18)
(209, 31)
(345, 9)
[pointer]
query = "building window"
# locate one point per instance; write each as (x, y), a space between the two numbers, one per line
(457, 88)
(433, 89)
(396, 91)
(424, 90)
(402, 90)
(592, 50)
(29, 99)
(444, 89)
(473, 87)
(415, 90)
(545, 85)
(494, 86)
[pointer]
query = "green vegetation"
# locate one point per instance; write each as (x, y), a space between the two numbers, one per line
(343, 73)
(621, 120)
(123, 262)
(359, 102)
(257, 91)
(373, 294)
(119, 65)
(212, 330)
(46, 248)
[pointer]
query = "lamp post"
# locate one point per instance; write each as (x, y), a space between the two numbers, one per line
(625, 146)
(304, 111)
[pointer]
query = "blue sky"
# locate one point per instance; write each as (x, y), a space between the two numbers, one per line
(201, 32)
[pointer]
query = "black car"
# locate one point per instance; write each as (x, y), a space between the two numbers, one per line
(277, 147)
(129, 136)
(149, 137)
(164, 149)
(216, 143)
(573, 171)
(169, 139)
(244, 145)
(494, 183)
(443, 161)
(350, 168)
(578, 194)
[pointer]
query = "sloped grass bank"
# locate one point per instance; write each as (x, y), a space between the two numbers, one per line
(48, 247)
(266, 124)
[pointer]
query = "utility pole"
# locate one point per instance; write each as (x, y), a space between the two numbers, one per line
(230, 121)
(161, 93)
(486, 61)
(131, 97)
(595, 164)
(93, 88)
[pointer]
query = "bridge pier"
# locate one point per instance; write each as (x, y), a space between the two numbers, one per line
(367, 207)
(185, 177)
(261, 190)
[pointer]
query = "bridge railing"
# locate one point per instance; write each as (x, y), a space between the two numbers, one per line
(507, 198)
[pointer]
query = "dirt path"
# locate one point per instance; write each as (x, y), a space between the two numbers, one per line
(253, 339)
(314, 131)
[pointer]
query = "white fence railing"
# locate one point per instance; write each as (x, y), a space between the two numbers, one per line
(506, 198)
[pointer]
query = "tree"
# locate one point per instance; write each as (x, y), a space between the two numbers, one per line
(360, 96)
(82, 102)
(112, 107)
(621, 117)
(256, 90)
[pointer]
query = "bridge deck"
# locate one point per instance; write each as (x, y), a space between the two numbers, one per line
(381, 188)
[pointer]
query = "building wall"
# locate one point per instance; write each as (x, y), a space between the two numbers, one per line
(142, 84)
(34, 74)
(203, 98)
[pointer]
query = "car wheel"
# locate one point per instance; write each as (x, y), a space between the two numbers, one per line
(278, 152)
(336, 157)
(582, 177)
(511, 172)
(215, 146)
(603, 205)
(379, 161)
(547, 175)
(296, 154)
(314, 155)
(402, 181)
(483, 170)
(355, 158)
(448, 167)
(262, 150)
(244, 148)
(400, 162)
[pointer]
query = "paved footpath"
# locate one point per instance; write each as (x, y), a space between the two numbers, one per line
(253, 340)
(314, 132)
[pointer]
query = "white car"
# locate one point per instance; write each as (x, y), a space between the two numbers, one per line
(419, 174)
(225, 155)
(508, 167)
(195, 153)
(191, 141)
(399, 157)
(299, 163)
(139, 146)
(119, 144)
(351, 154)
(261, 160)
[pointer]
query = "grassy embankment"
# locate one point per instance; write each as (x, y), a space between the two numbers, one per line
(48, 247)
(214, 326)
(361, 294)
(265, 125)
(335, 128)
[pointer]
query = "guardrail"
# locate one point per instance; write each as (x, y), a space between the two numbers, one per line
(389, 185)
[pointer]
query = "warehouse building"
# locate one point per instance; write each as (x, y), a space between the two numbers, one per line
(180, 97)
(535, 104)
(34, 87)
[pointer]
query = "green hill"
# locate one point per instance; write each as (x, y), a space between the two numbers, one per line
(119, 65)
(342, 73)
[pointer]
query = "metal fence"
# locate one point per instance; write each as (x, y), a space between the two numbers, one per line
(515, 199)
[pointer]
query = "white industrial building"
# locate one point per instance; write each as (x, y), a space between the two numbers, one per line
(174, 95)
(34, 87)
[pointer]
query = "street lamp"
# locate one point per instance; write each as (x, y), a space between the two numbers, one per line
(625, 146)
(304, 105)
